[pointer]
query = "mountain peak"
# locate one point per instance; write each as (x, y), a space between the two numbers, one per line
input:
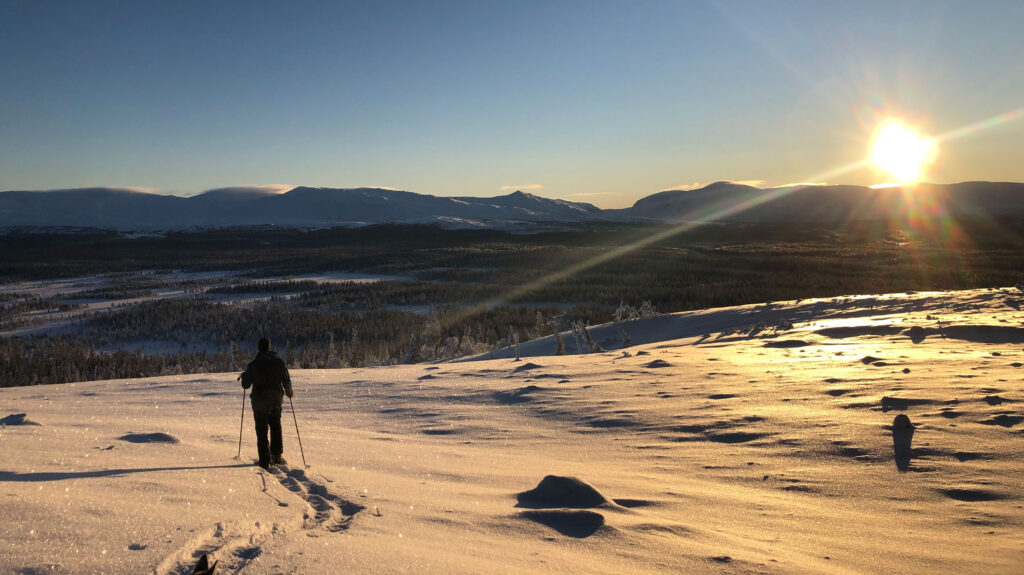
(136, 210)
(520, 194)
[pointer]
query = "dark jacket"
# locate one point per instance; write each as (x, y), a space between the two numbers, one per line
(268, 377)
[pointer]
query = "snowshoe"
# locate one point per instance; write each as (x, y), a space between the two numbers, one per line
(204, 567)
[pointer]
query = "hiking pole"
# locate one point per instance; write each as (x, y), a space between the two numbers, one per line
(241, 423)
(297, 434)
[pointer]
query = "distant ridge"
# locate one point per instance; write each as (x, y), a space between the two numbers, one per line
(132, 210)
(129, 210)
(726, 201)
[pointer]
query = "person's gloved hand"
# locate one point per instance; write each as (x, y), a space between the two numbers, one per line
(289, 393)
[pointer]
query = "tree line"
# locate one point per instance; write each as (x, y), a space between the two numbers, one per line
(210, 337)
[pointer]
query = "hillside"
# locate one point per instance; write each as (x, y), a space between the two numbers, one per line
(724, 201)
(715, 441)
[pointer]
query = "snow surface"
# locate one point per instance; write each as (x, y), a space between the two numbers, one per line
(714, 444)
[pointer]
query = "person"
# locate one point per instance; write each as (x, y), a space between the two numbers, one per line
(270, 382)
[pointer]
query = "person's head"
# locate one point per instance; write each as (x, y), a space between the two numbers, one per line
(264, 344)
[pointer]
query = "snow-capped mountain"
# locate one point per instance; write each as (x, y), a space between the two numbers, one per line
(121, 209)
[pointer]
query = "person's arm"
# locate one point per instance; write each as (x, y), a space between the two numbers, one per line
(286, 380)
(246, 377)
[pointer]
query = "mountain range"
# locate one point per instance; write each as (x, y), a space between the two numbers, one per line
(129, 210)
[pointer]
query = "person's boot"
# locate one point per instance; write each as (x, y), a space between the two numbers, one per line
(278, 460)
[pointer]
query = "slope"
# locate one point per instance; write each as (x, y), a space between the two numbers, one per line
(755, 451)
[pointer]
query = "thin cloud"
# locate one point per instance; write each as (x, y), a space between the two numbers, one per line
(685, 187)
(264, 188)
(521, 187)
(275, 188)
(699, 185)
(796, 184)
(270, 188)
(141, 189)
(751, 183)
(588, 194)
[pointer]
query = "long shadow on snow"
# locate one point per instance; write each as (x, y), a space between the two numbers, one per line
(14, 476)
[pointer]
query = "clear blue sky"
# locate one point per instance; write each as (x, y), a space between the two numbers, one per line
(591, 100)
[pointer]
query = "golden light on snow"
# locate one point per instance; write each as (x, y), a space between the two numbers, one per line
(901, 152)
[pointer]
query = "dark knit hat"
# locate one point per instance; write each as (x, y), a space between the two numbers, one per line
(264, 344)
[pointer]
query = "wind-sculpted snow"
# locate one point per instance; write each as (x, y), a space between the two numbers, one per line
(17, 419)
(156, 437)
(697, 449)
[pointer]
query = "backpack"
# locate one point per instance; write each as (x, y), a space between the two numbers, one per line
(263, 377)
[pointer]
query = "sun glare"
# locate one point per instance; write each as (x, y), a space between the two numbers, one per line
(901, 152)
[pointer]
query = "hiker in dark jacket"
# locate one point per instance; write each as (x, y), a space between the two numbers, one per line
(270, 382)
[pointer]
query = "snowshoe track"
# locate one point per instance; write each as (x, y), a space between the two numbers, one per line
(234, 546)
(329, 511)
(237, 545)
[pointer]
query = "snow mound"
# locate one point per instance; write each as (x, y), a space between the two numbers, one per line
(787, 343)
(526, 367)
(17, 419)
(521, 395)
(556, 491)
(157, 437)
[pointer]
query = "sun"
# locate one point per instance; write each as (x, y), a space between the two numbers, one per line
(901, 152)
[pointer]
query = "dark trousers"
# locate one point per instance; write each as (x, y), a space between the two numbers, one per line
(268, 418)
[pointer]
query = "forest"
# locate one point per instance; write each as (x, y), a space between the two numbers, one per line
(448, 293)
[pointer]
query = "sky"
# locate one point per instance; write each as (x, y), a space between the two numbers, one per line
(595, 101)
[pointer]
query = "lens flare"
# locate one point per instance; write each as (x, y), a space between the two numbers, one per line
(697, 218)
(902, 153)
